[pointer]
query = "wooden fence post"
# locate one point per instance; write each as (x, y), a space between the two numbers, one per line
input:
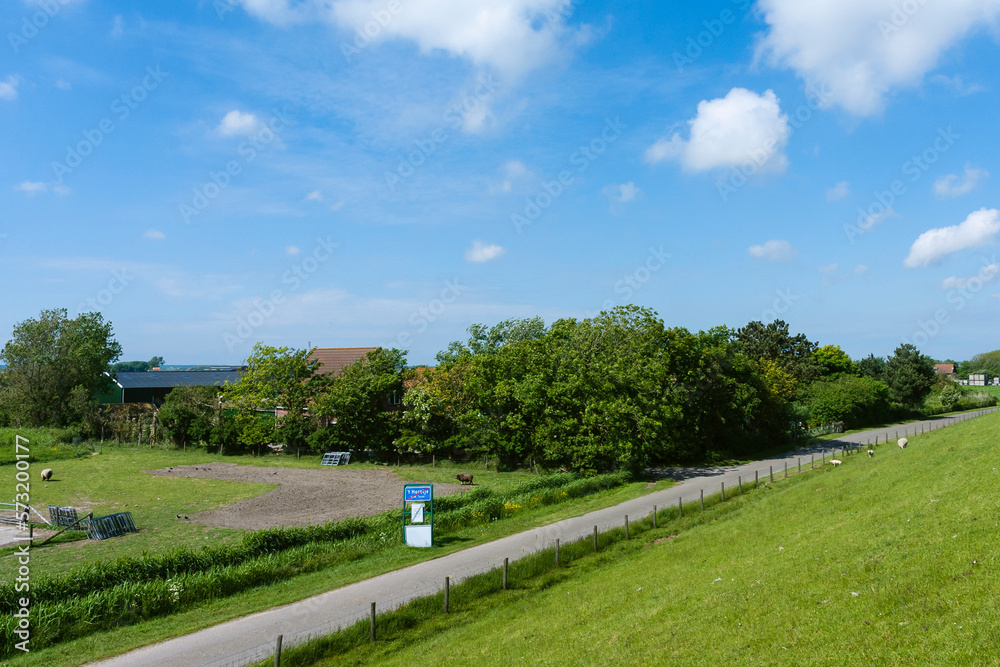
(626, 526)
(373, 622)
(595, 539)
(772, 474)
(557, 552)
(703, 500)
(740, 481)
(756, 478)
(812, 461)
(723, 492)
(786, 468)
(800, 464)
(505, 562)
(654, 513)
(447, 591)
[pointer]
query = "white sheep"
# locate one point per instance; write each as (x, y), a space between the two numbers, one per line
(871, 453)
(46, 474)
(835, 462)
(903, 442)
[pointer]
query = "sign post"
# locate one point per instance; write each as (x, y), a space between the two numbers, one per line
(418, 515)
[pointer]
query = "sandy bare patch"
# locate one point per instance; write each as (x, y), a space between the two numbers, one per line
(303, 497)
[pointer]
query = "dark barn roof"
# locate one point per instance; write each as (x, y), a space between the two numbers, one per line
(165, 379)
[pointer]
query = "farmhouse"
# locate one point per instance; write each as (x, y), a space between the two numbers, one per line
(948, 370)
(153, 386)
(335, 359)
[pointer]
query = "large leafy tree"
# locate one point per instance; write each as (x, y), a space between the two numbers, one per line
(280, 379)
(485, 340)
(361, 401)
(773, 342)
(910, 376)
(833, 361)
(872, 367)
(190, 413)
(55, 365)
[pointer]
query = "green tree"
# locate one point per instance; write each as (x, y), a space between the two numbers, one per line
(872, 367)
(278, 379)
(485, 340)
(190, 413)
(833, 361)
(910, 376)
(774, 342)
(856, 401)
(362, 400)
(950, 395)
(50, 357)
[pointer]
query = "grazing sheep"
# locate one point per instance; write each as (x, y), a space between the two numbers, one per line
(464, 478)
(871, 453)
(46, 474)
(903, 442)
(835, 462)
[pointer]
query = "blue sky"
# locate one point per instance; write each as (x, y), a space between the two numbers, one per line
(388, 172)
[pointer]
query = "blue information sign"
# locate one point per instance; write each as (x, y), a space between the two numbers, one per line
(418, 493)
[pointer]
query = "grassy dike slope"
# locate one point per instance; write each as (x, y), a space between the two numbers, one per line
(891, 560)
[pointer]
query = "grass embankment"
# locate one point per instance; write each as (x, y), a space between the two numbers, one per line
(890, 560)
(297, 572)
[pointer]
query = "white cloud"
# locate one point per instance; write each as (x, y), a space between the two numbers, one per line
(315, 195)
(154, 234)
(861, 270)
(839, 191)
(513, 36)
(622, 193)
(979, 229)
(31, 188)
(118, 28)
(948, 187)
(292, 250)
(860, 51)
(238, 123)
(775, 251)
(8, 88)
(957, 84)
(513, 171)
(739, 129)
(63, 84)
(830, 273)
(481, 252)
(988, 272)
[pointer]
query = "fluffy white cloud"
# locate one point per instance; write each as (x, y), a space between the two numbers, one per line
(513, 171)
(839, 191)
(8, 88)
(154, 234)
(315, 195)
(859, 51)
(514, 36)
(775, 251)
(738, 129)
(236, 123)
(861, 270)
(481, 252)
(987, 273)
(32, 188)
(948, 187)
(979, 229)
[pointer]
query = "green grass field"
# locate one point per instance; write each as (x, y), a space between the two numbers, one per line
(892, 561)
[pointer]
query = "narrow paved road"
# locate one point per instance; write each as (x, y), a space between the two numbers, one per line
(245, 640)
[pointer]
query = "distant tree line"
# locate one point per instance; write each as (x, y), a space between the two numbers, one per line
(619, 390)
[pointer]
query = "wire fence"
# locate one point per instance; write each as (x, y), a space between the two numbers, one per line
(797, 461)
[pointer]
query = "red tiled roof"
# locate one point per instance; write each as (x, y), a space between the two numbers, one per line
(336, 359)
(945, 369)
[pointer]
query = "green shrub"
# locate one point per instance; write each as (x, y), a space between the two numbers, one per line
(854, 400)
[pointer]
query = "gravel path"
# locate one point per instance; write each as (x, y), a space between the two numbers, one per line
(245, 640)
